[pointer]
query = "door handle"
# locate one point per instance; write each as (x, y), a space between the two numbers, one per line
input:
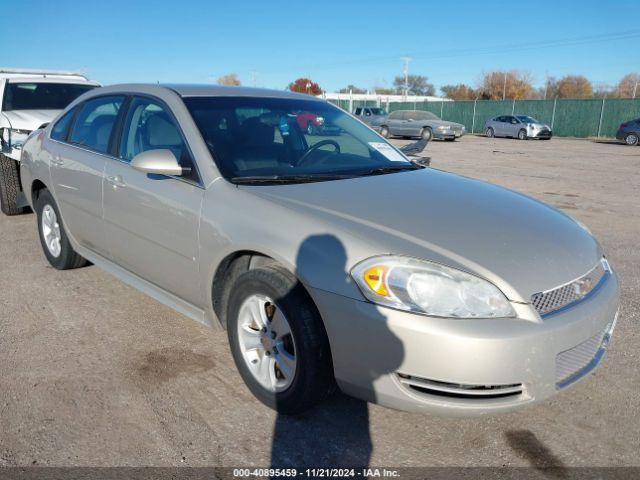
(116, 181)
(57, 161)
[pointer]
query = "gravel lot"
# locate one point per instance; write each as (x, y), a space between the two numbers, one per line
(94, 373)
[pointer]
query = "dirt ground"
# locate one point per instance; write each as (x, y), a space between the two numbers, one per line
(94, 373)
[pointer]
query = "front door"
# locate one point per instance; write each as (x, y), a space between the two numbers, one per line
(151, 221)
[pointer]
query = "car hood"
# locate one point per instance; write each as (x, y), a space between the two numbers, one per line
(438, 123)
(522, 245)
(29, 119)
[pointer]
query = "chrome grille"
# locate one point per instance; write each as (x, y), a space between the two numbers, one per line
(572, 292)
(572, 364)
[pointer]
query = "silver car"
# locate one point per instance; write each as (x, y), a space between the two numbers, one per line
(522, 127)
(215, 202)
(420, 123)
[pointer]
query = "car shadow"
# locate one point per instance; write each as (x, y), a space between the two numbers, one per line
(336, 432)
(526, 445)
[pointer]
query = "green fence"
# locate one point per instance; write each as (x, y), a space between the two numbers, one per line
(567, 117)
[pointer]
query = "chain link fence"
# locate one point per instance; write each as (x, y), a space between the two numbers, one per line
(567, 117)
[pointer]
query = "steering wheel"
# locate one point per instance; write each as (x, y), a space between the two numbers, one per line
(303, 159)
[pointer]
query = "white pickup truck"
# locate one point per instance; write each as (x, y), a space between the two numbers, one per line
(29, 99)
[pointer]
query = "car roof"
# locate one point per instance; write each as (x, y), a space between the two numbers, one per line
(189, 90)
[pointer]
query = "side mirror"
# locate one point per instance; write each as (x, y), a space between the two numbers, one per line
(160, 162)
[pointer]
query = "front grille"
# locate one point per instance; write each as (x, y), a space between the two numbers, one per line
(459, 390)
(576, 362)
(565, 295)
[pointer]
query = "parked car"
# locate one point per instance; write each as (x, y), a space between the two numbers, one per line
(28, 100)
(522, 127)
(630, 132)
(315, 125)
(215, 202)
(419, 123)
(372, 116)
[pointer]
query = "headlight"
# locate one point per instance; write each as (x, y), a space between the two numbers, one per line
(444, 127)
(429, 288)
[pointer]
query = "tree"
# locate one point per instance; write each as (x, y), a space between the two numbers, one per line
(418, 85)
(574, 86)
(305, 85)
(459, 92)
(384, 91)
(229, 79)
(352, 88)
(629, 85)
(513, 84)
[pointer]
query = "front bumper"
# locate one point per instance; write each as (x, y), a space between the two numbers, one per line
(447, 134)
(540, 134)
(459, 367)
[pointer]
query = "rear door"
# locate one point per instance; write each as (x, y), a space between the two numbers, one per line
(151, 221)
(78, 159)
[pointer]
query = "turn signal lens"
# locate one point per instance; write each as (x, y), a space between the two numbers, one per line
(375, 277)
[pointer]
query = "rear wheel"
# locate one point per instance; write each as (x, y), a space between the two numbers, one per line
(426, 133)
(522, 134)
(489, 132)
(278, 340)
(53, 237)
(9, 186)
(631, 139)
(384, 131)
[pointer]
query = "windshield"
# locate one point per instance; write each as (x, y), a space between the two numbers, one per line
(377, 111)
(41, 96)
(279, 139)
(527, 119)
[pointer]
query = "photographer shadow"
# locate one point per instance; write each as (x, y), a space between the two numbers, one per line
(337, 432)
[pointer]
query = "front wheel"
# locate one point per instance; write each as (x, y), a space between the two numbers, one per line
(384, 131)
(631, 139)
(9, 186)
(53, 237)
(426, 133)
(522, 134)
(278, 340)
(489, 132)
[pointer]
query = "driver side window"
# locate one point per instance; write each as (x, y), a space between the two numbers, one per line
(148, 126)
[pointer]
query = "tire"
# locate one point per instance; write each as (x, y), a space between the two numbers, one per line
(62, 257)
(426, 133)
(522, 134)
(384, 131)
(489, 132)
(308, 345)
(631, 139)
(9, 186)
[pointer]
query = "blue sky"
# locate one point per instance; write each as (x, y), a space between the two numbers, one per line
(336, 43)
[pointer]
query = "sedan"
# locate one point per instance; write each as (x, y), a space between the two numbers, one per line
(630, 132)
(215, 202)
(522, 127)
(421, 124)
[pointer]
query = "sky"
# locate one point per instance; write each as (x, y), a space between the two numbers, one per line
(336, 43)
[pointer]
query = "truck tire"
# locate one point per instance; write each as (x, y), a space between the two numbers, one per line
(9, 186)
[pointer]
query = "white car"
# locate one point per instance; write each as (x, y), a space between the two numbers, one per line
(29, 100)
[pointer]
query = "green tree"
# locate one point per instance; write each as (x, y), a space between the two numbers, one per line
(418, 85)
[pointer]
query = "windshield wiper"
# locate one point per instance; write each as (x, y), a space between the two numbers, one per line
(392, 169)
(287, 178)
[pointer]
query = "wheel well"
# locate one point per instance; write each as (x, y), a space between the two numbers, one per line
(36, 187)
(229, 269)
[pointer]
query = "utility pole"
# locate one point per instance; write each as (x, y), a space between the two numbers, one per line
(405, 70)
(504, 87)
(635, 89)
(546, 84)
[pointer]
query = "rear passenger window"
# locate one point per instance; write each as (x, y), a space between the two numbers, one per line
(95, 122)
(61, 127)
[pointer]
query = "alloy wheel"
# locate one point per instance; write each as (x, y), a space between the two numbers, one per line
(631, 139)
(51, 231)
(266, 343)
